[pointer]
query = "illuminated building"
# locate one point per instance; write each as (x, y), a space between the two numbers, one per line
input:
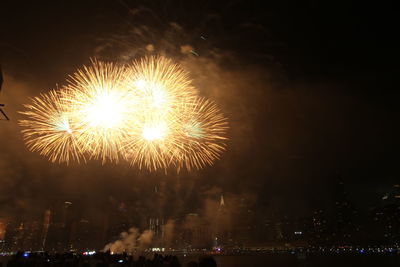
(83, 235)
(156, 226)
(3, 228)
(67, 226)
(18, 237)
(319, 227)
(344, 227)
(293, 229)
(243, 226)
(59, 233)
(31, 237)
(118, 220)
(385, 226)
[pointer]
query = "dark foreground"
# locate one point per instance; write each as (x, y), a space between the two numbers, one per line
(100, 260)
(273, 260)
(276, 260)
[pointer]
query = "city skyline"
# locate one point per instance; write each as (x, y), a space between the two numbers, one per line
(230, 225)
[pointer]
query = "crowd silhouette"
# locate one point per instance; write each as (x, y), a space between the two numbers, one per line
(101, 259)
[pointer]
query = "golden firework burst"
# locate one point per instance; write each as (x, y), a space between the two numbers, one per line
(147, 112)
(48, 128)
(160, 87)
(202, 134)
(102, 108)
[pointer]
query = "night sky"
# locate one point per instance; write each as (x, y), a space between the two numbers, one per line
(311, 92)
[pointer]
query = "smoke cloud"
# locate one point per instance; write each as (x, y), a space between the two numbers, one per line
(131, 242)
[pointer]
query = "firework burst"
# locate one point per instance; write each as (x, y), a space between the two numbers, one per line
(48, 129)
(159, 85)
(147, 113)
(102, 108)
(160, 88)
(202, 135)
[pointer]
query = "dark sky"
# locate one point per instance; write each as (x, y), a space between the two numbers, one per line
(310, 90)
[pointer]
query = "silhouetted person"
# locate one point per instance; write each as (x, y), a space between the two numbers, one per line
(207, 262)
(192, 264)
(175, 262)
(99, 260)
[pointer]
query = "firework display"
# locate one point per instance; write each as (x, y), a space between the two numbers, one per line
(147, 113)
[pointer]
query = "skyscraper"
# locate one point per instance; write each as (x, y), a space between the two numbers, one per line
(18, 237)
(67, 222)
(222, 225)
(32, 233)
(344, 227)
(156, 226)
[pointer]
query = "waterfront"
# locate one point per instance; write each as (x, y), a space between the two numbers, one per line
(288, 260)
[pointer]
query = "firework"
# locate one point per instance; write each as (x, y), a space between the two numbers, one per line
(102, 108)
(48, 129)
(160, 88)
(202, 135)
(159, 85)
(193, 136)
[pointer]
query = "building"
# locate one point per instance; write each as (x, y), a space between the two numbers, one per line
(3, 228)
(344, 228)
(156, 225)
(222, 234)
(196, 233)
(385, 226)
